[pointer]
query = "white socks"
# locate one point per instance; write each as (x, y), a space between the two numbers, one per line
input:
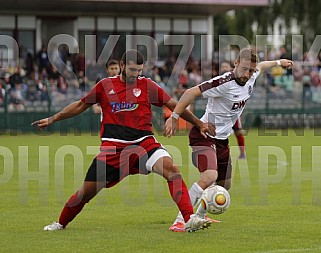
(201, 212)
(195, 193)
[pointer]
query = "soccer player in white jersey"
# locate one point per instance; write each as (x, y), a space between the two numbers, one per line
(227, 95)
(237, 127)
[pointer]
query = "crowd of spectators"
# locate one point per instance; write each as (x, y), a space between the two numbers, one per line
(37, 83)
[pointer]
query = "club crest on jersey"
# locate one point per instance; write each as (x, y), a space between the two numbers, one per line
(123, 107)
(137, 92)
(213, 146)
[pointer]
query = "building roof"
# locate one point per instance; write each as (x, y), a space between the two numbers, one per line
(126, 7)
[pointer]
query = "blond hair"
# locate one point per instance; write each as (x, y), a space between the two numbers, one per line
(248, 54)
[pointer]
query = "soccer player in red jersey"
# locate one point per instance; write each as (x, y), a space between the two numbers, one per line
(128, 145)
(227, 95)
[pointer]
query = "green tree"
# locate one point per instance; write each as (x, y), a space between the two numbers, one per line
(307, 14)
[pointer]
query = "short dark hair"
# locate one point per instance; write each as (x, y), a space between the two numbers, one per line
(112, 62)
(248, 54)
(134, 56)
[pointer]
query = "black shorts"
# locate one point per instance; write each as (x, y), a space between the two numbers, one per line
(101, 172)
(118, 160)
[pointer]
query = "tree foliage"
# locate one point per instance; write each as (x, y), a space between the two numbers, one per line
(306, 12)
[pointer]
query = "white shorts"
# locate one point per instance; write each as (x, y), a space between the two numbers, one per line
(159, 153)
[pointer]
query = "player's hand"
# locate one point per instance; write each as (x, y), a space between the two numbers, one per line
(170, 127)
(43, 123)
(207, 128)
(285, 63)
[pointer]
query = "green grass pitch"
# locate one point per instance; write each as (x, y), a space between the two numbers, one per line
(275, 198)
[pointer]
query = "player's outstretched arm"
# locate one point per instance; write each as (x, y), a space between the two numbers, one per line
(265, 65)
(69, 111)
(179, 109)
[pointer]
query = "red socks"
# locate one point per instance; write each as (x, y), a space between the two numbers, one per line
(71, 209)
(177, 188)
(179, 193)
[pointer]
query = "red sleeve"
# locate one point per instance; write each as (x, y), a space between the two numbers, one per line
(157, 96)
(95, 94)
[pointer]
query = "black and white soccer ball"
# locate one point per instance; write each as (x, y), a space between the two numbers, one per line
(215, 199)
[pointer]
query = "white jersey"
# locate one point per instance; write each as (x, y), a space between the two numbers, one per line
(226, 101)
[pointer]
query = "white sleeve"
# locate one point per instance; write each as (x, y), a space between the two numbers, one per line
(214, 92)
(216, 86)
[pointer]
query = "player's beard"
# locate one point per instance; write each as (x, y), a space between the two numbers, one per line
(241, 81)
(129, 79)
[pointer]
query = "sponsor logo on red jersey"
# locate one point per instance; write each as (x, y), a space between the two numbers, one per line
(123, 106)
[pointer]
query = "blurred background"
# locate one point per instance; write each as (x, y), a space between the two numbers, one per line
(41, 73)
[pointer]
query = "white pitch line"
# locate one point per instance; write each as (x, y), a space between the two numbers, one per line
(290, 250)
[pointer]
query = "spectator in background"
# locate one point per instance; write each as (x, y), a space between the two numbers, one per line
(315, 79)
(17, 76)
(183, 84)
(112, 69)
(44, 74)
(84, 85)
(29, 64)
(17, 99)
(43, 92)
(195, 76)
(81, 63)
(42, 58)
(319, 61)
(156, 77)
(7, 81)
(53, 73)
(32, 92)
(225, 67)
(170, 64)
(91, 71)
(2, 94)
(62, 85)
(285, 55)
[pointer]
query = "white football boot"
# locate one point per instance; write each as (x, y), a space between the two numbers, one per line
(53, 226)
(196, 223)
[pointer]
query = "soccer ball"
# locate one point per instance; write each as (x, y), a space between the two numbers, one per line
(215, 199)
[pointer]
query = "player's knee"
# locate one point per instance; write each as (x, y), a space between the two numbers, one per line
(89, 190)
(170, 170)
(209, 177)
(166, 168)
(227, 184)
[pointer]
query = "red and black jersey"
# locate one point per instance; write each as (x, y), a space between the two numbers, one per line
(126, 108)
